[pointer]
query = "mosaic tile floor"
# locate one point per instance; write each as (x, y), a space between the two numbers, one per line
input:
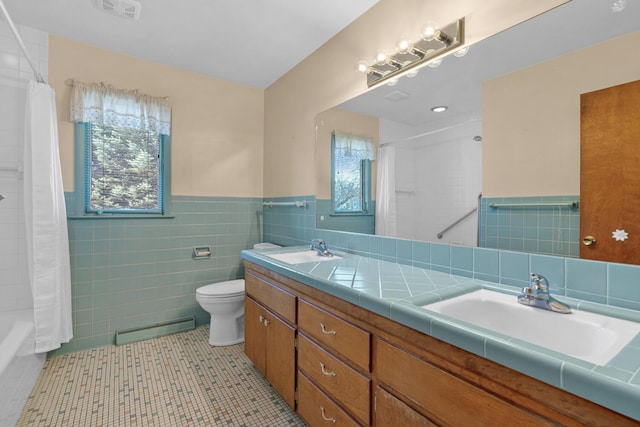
(178, 380)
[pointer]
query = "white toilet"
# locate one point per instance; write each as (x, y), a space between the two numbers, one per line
(225, 302)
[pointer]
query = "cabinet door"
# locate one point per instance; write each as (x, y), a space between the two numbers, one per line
(391, 412)
(255, 337)
(444, 397)
(280, 357)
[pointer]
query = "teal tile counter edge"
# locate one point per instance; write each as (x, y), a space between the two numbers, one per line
(617, 382)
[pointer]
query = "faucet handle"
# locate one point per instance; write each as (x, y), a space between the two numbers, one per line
(538, 281)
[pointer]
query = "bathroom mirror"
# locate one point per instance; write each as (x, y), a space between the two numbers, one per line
(477, 144)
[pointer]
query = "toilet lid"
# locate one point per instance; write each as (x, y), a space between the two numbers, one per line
(232, 287)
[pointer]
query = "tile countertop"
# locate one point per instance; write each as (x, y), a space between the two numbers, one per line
(398, 291)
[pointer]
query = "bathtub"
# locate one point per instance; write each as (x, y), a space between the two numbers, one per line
(19, 365)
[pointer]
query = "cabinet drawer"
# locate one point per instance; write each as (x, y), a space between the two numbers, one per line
(336, 378)
(446, 397)
(334, 333)
(275, 299)
(317, 409)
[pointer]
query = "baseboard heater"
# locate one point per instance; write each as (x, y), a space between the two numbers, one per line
(126, 336)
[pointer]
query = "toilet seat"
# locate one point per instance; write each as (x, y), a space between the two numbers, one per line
(227, 289)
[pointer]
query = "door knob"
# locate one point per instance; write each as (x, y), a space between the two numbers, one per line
(588, 240)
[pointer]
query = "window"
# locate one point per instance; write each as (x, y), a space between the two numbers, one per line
(351, 173)
(122, 151)
(123, 170)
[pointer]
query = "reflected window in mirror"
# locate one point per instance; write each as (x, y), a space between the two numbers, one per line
(351, 157)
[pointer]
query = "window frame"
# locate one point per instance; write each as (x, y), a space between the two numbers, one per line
(82, 135)
(365, 185)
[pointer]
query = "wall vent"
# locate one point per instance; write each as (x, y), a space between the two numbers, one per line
(129, 9)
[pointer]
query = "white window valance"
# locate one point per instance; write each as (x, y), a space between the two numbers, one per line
(355, 146)
(105, 105)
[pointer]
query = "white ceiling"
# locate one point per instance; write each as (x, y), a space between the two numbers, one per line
(251, 42)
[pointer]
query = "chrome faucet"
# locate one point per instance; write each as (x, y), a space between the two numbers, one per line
(537, 295)
(320, 247)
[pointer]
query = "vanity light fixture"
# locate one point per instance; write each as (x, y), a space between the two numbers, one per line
(439, 108)
(410, 56)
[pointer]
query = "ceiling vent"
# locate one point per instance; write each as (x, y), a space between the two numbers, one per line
(129, 9)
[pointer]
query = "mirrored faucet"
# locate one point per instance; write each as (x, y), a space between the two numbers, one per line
(537, 295)
(320, 247)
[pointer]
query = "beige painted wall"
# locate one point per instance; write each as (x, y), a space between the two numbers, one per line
(341, 121)
(531, 119)
(328, 77)
(217, 126)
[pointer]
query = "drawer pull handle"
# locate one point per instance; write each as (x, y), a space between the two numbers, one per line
(266, 322)
(261, 318)
(324, 331)
(333, 420)
(327, 373)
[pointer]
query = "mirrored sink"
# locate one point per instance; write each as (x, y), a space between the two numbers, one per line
(301, 257)
(584, 335)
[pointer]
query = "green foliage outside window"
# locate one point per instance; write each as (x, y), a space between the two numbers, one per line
(123, 170)
(351, 174)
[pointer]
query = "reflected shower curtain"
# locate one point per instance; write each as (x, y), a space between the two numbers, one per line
(47, 240)
(386, 192)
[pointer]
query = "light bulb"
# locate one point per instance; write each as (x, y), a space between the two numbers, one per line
(381, 57)
(392, 82)
(461, 52)
(412, 73)
(429, 31)
(403, 46)
(439, 108)
(363, 67)
(435, 62)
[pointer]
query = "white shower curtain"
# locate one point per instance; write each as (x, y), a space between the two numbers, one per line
(46, 221)
(386, 220)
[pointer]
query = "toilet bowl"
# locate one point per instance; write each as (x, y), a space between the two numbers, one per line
(224, 301)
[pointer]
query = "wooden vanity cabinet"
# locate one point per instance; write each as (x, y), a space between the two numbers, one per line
(270, 339)
(318, 409)
(386, 373)
(390, 411)
(334, 355)
(443, 397)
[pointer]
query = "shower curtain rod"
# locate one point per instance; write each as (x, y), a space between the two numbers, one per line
(431, 132)
(25, 52)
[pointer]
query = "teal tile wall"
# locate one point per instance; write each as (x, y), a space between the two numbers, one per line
(541, 230)
(135, 272)
(593, 281)
(290, 225)
(355, 223)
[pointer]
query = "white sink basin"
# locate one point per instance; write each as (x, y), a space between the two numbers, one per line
(588, 336)
(301, 257)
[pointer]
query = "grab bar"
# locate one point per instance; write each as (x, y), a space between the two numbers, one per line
(297, 203)
(572, 205)
(458, 221)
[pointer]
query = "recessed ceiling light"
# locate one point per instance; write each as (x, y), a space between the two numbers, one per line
(439, 109)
